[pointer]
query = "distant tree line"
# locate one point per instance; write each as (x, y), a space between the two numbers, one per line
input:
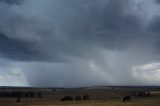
(15, 94)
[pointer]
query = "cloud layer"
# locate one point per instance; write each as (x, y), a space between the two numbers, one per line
(79, 42)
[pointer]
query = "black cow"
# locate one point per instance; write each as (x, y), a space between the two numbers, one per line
(148, 94)
(126, 99)
(86, 97)
(18, 99)
(67, 98)
(39, 95)
(78, 97)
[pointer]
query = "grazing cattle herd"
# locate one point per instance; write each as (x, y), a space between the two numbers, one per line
(87, 97)
(138, 94)
(143, 94)
(77, 98)
(67, 98)
(38, 94)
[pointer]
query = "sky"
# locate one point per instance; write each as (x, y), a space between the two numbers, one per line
(79, 43)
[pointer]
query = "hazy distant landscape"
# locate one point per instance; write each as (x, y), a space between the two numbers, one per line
(99, 96)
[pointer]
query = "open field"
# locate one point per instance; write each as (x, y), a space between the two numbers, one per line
(98, 97)
(114, 102)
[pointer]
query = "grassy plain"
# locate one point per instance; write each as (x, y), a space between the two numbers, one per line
(98, 97)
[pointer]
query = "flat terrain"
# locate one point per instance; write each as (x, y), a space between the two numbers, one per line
(114, 102)
(98, 97)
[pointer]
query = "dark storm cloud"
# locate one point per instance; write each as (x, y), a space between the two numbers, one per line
(21, 50)
(86, 42)
(17, 50)
(157, 1)
(12, 1)
(102, 23)
(154, 25)
(89, 25)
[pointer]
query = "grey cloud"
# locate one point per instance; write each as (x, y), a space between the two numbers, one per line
(154, 25)
(87, 27)
(12, 1)
(20, 50)
(71, 34)
(153, 28)
(157, 1)
(12, 48)
(102, 25)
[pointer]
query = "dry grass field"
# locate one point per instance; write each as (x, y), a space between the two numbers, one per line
(98, 97)
(115, 102)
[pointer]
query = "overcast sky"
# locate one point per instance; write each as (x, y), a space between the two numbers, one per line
(78, 43)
